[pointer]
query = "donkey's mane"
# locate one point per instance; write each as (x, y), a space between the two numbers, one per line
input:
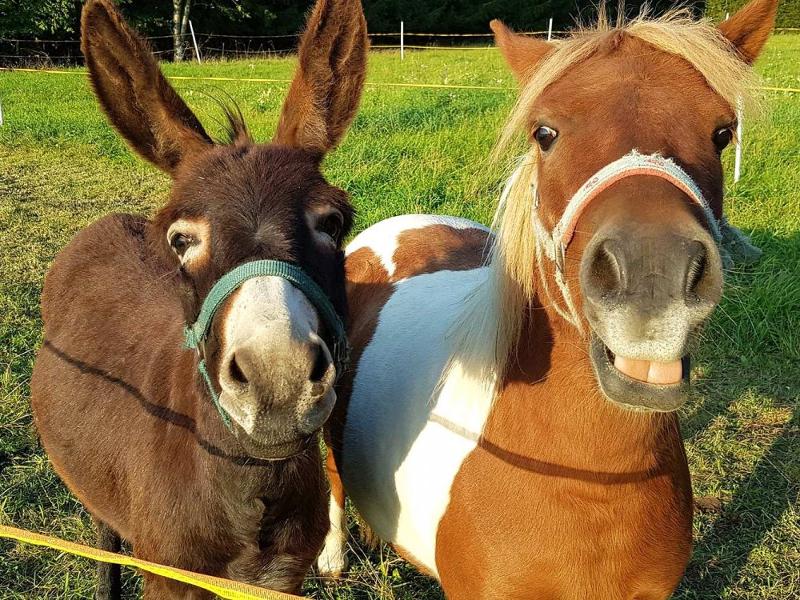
(488, 329)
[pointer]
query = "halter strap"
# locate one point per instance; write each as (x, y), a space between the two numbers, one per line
(196, 334)
(555, 242)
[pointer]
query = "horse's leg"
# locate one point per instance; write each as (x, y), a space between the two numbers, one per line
(332, 561)
(109, 584)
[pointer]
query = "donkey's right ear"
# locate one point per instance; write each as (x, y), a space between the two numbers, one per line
(135, 95)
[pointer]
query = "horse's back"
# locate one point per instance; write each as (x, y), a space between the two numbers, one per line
(402, 442)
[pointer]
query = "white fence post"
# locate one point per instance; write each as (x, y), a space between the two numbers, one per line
(194, 41)
(550, 29)
(402, 40)
(737, 165)
(1, 113)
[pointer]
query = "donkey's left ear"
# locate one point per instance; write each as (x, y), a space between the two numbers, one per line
(326, 90)
(749, 28)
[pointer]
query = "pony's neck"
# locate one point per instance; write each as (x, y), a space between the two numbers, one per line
(552, 409)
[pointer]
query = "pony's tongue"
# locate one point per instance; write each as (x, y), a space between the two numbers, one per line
(662, 373)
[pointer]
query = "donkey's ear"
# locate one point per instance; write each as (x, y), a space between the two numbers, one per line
(749, 28)
(137, 98)
(327, 86)
(522, 53)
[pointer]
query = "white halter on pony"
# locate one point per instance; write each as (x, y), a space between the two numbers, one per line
(553, 244)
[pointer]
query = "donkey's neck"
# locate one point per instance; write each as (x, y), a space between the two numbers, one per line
(550, 408)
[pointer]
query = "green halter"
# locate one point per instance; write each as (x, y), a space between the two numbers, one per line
(197, 333)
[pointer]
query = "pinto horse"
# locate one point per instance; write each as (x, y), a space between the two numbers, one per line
(198, 443)
(510, 426)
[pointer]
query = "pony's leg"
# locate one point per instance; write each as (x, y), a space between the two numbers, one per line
(109, 584)
(332, 561)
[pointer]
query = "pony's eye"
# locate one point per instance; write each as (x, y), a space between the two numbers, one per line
(331, 226)
(545, 136)
(722, 137)
(180, 243)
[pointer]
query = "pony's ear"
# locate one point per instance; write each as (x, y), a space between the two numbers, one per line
(522, 53)
(327, 86)
(749, 28)
(138, 100)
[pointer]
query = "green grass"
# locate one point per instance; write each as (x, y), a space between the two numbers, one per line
(415, 150)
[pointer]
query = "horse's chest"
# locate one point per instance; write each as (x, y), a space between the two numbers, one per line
(404, 441)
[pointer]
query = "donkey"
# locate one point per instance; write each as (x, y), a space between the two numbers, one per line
(509, 423)
(189, 360)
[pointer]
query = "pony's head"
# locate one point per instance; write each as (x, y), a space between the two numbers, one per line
(621, 187)
(268, 350)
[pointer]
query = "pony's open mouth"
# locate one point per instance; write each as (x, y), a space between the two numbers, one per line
(640, 384)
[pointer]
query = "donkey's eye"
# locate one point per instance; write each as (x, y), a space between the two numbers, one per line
(722, 137)
(180, 243)
(545, 136)
(331, 226)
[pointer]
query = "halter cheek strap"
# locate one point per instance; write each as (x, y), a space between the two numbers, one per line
(196, 334)
(554, 243)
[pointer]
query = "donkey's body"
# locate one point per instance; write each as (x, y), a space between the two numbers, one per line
(199, 445)
(510, 424)
(134, 443)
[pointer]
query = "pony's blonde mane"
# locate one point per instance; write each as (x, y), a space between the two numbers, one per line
(489, 327)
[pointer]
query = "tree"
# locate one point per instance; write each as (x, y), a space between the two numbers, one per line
(180, 21)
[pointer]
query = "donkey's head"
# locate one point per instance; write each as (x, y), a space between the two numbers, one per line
(268, 350)
(627, 125)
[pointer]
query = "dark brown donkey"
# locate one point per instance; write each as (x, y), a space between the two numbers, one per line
(218, 474)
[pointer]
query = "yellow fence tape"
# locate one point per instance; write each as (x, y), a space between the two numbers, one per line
(431, 86)
(223, 588)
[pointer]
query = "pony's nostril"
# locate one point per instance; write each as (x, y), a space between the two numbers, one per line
(321, 364)
(698, 262)
(236, 372)
(605, 270)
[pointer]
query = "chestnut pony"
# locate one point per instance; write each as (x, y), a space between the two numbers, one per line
(510, 425)
(189, 360)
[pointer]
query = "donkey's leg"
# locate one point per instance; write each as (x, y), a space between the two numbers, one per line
(332, 561)
(161, 588)
(109, 584)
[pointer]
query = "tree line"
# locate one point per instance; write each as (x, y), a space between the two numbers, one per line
(60, 19)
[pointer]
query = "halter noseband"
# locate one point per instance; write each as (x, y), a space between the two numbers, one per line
(196, 334)
(554, 243)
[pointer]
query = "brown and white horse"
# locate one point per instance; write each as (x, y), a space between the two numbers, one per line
(205, 459)
(509, 426)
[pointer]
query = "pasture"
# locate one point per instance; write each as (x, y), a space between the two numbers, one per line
(418, 150)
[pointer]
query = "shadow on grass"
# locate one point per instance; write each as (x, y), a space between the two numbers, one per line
(750, 361)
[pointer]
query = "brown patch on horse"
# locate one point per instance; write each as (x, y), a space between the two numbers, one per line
(437, 248)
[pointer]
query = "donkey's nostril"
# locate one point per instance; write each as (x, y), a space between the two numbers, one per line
(236, 372)
(698, 261)
(321, 364)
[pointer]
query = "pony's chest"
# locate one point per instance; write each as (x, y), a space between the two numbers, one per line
(406, 434)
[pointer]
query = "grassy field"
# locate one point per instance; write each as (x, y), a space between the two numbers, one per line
(418, 150)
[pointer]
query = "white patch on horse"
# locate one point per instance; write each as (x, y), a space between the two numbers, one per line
(382, 238)
(332, 561)
(407, 434)
(270, 316)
